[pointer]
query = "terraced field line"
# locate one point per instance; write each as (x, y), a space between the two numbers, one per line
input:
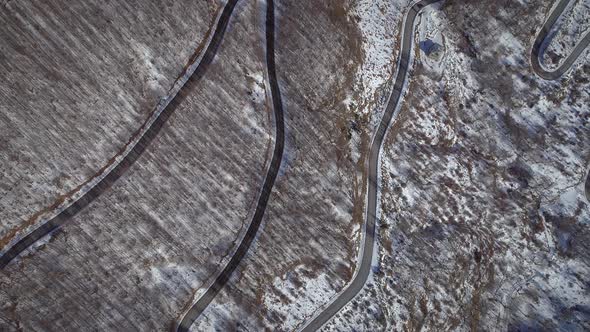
(368, 239)
(540, 46)
(134, 148)
(223, 277)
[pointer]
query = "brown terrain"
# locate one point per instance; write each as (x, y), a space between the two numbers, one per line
(307, 233)
(484, 211)
(81, 78)
(134, 258)
(485, 223)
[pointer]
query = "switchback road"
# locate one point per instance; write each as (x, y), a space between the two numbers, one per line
(541, 43)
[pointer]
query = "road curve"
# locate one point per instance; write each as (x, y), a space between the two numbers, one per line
(135, 147)
(368, 241)
(223, 277)
(540, 45)
(587, 186)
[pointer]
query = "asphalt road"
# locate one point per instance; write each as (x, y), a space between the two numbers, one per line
(362, 273)
(134, 148)
(587, 186)
(540, 45)
(269, 181)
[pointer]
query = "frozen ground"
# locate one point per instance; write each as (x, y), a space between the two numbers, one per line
(486, 224)
(80, 79)
(484, 215)
(134, 258)
(309, 237)
(569, 30)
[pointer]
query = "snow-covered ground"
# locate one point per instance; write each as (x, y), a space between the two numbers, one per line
(483, 222)
(484, 217)
(79, 81)
(138, 254)
(572, 26)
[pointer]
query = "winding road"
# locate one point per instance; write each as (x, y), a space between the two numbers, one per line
(368, 240)
(150, 129)
(539, 48)
(223, 277)
(587, 186)
(542, 41)
(135, 147)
